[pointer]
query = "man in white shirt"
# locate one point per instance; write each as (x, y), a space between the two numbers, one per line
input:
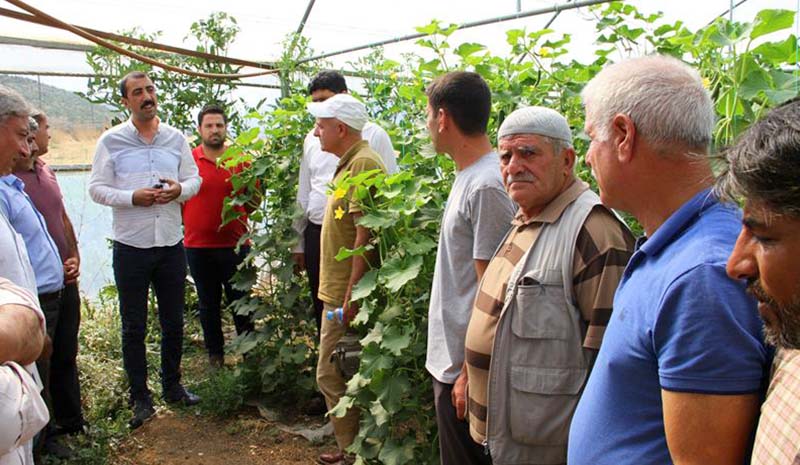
(144, 169)
(23, 412)
(316, 172)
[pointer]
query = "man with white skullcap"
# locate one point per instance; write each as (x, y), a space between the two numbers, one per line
(340, 120)
(542, 307)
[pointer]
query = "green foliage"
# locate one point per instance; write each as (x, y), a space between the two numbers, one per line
(180, 95)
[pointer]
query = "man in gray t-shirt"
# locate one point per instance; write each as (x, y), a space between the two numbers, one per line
(475, 221)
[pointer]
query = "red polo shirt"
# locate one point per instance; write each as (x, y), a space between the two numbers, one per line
(202, 214)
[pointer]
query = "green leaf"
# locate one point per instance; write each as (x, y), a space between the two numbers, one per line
(419, 245)
(398, 271)
(393, 391)
(391, 313)
(756, 81)
(395, 340)
(345, 253)
(379, 413)
(778, 53)
(394, 453)
(776, 97)
(344, 404)
(376, 220)
(356, 382)
(365, 285)
(769, 21)
(468, 48)
(375, 335)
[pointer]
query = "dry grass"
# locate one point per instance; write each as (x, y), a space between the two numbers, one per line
(72, 148)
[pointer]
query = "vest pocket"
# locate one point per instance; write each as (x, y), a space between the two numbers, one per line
(542, 402)
(541, 311)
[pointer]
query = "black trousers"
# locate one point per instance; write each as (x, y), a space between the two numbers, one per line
(212, 270)
(134, 271)
(456, 446)
(65, 390)
(312, 252)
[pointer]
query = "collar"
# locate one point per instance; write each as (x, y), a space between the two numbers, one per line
(678, 222)
(135, 130)
(552, 212)
(351, 152)
(13, 181)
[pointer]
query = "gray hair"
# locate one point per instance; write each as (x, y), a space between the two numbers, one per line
(12, 104)
(764, 164)
(38, 114)
(663, 96)
(33, 125)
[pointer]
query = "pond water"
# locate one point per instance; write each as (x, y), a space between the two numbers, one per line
(92, 223)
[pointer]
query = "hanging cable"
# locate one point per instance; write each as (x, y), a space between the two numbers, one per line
(136, 56)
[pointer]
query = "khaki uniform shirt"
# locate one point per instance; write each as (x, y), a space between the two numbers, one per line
(338, 224)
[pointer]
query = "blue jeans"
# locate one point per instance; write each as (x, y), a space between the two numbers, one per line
(212, 270)
(134, 271)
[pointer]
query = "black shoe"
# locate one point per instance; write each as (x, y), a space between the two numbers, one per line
(81, 427)
(181, 395)
(142, 411)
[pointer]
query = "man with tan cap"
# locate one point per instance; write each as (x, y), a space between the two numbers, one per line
(546, 295)
(340, 120)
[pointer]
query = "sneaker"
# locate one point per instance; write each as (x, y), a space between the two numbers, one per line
(180, 394)
(142, 411)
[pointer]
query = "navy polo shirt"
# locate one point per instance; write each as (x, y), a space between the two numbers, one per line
(679, 324)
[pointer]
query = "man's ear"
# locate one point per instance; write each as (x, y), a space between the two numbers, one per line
(568, 155)
(442, 120)
(623, 134)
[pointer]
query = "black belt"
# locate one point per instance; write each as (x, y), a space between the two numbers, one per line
(50, 296)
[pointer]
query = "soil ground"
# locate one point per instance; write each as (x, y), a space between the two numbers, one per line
(181, 437)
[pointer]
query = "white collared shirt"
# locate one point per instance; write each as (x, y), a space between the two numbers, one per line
(124, 162)
(316, 172)
(22, 410)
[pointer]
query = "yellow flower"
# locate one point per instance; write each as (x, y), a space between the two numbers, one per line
(339, 193)
(545, 51)
(706, 82)
(339, 213)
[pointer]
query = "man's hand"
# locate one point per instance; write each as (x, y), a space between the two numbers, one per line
(349, 310)
(170, 191)
(71, 270)
(299, 259)
(459, 394)
(145, 197)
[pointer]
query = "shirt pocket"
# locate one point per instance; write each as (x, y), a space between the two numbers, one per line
(542, 402)
(541, 310)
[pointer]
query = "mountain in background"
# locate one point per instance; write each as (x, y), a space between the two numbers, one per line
(66, 110)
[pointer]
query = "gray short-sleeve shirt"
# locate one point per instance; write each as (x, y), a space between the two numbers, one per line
(476, 218)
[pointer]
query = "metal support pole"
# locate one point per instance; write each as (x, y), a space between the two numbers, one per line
(498, 19)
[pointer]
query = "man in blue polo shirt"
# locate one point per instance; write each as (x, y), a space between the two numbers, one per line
(679, 375)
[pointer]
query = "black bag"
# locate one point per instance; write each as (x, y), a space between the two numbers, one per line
(347, 355)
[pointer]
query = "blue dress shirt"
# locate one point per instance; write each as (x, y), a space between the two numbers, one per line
(29, 223)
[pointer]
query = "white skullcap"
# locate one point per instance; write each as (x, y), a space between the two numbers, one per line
(540, 121)
(343, 107)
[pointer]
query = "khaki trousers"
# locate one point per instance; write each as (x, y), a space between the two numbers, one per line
(330, 381)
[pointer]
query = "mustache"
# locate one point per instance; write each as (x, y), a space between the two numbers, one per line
(525, 176)
(148, 102)
(755, 289)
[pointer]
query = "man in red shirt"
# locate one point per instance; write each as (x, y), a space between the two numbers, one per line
(210, 248)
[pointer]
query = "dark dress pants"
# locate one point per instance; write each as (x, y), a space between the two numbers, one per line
(135, 270)
(212, 270)
(312, 256)
(456, 446)
(65, 390)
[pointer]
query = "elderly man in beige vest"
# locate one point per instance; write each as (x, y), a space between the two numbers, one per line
(544, 301)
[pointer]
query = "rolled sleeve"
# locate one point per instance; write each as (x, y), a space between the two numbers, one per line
(707, 337)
